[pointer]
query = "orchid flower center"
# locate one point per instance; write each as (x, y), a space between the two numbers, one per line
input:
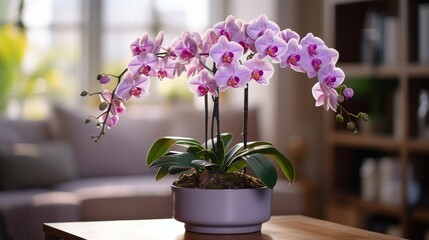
(257, 74)
(233, 81)
(272, 51)
(330, 80)
(136, 91)
(228, 57)
(138, 49)
(161, 74)
(145, 69)
(118, 107)
(294, 59)
(202, 90)
(244, 45)
(186, 54)
(225, 33)
(312, 49)
(316, 63)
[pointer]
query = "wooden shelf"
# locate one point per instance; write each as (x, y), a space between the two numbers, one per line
(419, 146)
(368, 207)
(371, 141)
(366, 70)
(420, 215)
(418, 70)
(346, 22)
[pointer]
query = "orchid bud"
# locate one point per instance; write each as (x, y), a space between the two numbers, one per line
(339, 118)
(351, 125)
(363, 116)
(348, 93)
(83, 93)
(104, 79)
(102, 106)
(99, 76)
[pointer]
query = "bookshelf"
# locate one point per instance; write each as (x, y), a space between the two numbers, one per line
(379, 179)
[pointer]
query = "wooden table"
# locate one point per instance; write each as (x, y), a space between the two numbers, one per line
(278, 228)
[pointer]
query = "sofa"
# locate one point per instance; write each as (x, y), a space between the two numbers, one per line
(52, 171)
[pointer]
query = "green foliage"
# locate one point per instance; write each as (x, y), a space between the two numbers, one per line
(216, 158)
(12, 48)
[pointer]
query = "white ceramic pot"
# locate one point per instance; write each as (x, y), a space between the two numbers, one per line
(223, 211)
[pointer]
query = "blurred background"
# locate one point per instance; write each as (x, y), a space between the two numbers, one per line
(52, 50)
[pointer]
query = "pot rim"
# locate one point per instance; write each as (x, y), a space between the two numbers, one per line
(211, 189)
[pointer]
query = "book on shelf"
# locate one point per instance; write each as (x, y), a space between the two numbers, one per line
(380, 39)
(423, 33)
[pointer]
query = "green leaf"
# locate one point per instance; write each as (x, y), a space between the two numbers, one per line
(262, 168)
(162, 145)
(203, 163)
(233, 152)
(208, 155)
(237, 165)
(176, 170)
(180, 160)
(225, 137)
(161, 173)
(282, 161)
(194, 150)
(239, 150)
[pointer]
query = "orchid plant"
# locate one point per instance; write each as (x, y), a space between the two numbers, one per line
(230, 55)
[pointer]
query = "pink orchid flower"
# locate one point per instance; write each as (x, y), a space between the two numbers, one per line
(257, 27)
(261, 70)
(111, 117)
(166, 68)
(228, 28)
(326, 96)
(186, 48)
(203, 83)
(331, 76)
(225, 52)
(141, 45)
(294, 56)
(133, 85)
(243, 40)
(270, 45)
(288, 34)
(144, 63)
(110, 121)
(117, 106)
(195, 66)
(318, 55)
(235, 76)
(158, 42)
(209, 39)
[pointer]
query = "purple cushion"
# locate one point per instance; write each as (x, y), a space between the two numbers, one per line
(122, 151)
(26, 165)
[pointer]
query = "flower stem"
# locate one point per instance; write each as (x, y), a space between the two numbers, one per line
(245, 114)
(206, 119)
(245, 118)
(107, 112)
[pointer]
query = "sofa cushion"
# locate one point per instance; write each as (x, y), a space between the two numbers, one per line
(22, 212)
(23, 131)
(26, 165)
(127, 197)
(122, 151)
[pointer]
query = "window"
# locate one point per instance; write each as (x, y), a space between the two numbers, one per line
(70, 41)
(50, 64)
(120, 27)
